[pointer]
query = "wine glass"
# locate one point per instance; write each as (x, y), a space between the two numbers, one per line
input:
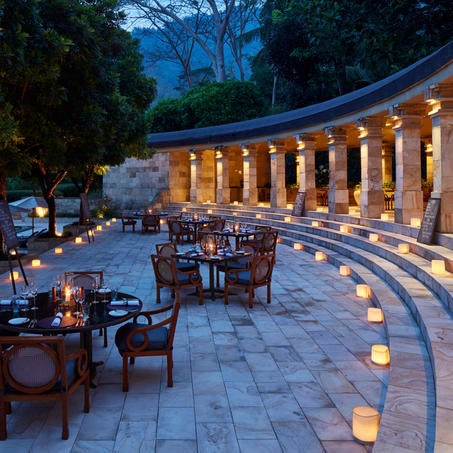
(79, 299)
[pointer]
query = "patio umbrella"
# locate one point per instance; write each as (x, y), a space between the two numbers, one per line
(30, 204)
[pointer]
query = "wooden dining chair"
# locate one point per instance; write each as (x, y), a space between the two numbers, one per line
(88, 281)
(151, 222)
(169, 276)
(179, 231)
(37, 368)
(257, 274)
(136, 339)
(169, 249)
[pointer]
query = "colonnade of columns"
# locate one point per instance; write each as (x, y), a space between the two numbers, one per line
(210, 169)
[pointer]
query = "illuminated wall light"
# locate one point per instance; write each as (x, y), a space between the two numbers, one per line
(384, 216)
(363, 290)
(258, 216)
(365, 423)
(35, 263)
(98, 227)
(15, 275)
(113, 219)
(344, 229)
(438, 266)
(314, 223)
(298, 246)
(78, 239)
(58, 250)
(287, 219)
(320, 256)
(375, 314)
(415, 222)
(403, 248)
(345, 271)
(373, 237)
(380, 354)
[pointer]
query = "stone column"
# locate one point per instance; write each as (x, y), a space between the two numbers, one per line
(223, 176)
(249, 172)
(278, 187)
(195, 176)
(307, 181)
(408, 192)
(387, 163)
(371, 193)
(338, 196)
(440, 100)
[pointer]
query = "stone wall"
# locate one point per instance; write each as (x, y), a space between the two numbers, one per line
(137, 183)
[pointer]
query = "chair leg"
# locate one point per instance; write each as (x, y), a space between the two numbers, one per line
(104, 332)
(225, 295)
(250, 298)
(170, 369)
(125, 374)
(3, 411)
(64, 415)
(86, 401)
(269, 293)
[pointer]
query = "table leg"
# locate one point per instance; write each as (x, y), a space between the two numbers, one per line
(86, 342)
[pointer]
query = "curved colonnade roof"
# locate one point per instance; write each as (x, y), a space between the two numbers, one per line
(407, 85)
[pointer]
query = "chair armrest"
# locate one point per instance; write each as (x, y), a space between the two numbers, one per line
(149, 313)
(81, 359)
(142, 331)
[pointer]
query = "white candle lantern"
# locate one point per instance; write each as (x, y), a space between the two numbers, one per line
(380, 354)
(113, 219)
(403, 248)
(58, 250)
(375, 314)
(15, 275)
(98, 227)
(258, 216)
(373, 237)
(320, 256)
(345, 271)
(384, 216)
(287, 219)
(344, 228)
(107, 223)
(415, 222)
(363, 290)
(35, 263)
(314, 223)
(78, 239)
(438, 267)
(298, 246)
(365, 423)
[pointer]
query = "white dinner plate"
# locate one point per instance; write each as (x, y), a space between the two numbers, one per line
(18, 321)
(104, 290)
(240, 252)
(118, 313)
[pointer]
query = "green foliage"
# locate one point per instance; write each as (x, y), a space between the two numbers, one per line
(335, 47)
(208, 105)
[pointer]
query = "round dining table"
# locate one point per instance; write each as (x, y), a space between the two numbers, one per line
(100, 313)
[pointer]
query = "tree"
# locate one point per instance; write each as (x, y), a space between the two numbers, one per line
(212, 104)
(209, 26)
(89, 110)
(337, 47)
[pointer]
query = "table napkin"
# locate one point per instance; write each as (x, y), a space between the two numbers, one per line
(56, 322)
(129, 302)
(18, 302)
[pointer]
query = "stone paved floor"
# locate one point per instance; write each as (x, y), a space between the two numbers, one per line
(278, 377)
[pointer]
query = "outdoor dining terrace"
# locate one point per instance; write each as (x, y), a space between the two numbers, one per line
(283, 376)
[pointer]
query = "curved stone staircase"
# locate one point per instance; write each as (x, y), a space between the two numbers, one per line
(418, 410)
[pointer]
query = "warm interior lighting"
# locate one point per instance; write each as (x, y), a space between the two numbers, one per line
(314, 223)
(58, 250)
(78, 239)
(15, 275)
(365, 423)
(298, 246)
(415, 222)
(344, 228)
(98, 227)
(345, 271)
(438, 266)
(373, 237)
(107, 223)
(363, 290)
(258, 216)
(375, 314)
(380, 354)
(35, 263)
(287, 219)
(320, 256)
(403, 248)
(384, 216)
(208, 201)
